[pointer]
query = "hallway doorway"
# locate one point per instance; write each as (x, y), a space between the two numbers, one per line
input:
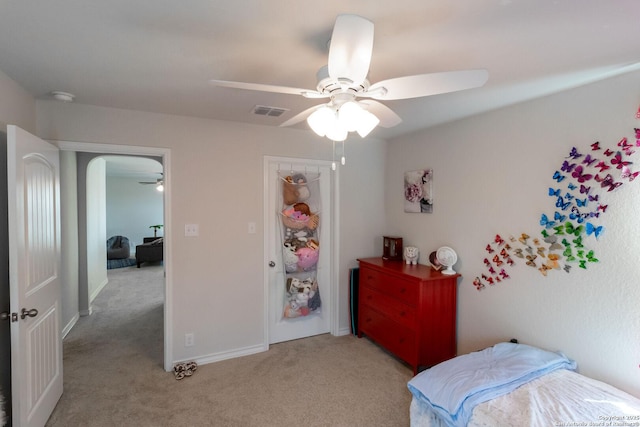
(164, 155)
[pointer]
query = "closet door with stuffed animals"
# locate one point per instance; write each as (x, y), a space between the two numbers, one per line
(299, 248)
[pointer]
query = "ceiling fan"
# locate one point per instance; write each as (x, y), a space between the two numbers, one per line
(159, 183)
(344, 82)
(156, 182)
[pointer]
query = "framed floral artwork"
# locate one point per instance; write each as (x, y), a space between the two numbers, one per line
(418, 191)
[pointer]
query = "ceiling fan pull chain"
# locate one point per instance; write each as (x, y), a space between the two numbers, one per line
(333, 163)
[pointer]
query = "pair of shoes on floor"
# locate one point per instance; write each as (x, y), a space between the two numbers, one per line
(186, 369)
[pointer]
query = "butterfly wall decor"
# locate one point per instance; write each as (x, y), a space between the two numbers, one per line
(608, 182)
(618, 162)
(580, 176)
(568, 228)
(626, 147)
(627, 174)
(595, 230)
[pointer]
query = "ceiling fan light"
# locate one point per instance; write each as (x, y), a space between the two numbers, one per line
(321, 120)
(349, 115)
(337, 132)
(366, 123)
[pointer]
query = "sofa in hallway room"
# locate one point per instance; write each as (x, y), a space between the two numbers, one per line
(151, 251)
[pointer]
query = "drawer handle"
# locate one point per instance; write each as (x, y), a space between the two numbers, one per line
(403, 290)
(402, 313)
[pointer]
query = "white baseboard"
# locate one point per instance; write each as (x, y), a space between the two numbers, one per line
(100, 287)
(84, 313)
(218, 357)
(246, 351)
(344, 331)
(70, 325)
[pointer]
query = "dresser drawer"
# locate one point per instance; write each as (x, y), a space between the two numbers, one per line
(393, 286)
(396, 338)
(394, 309)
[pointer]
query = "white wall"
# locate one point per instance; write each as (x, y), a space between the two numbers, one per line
(361, 209)
(217, 182)
(131, 209)
(69, 239)
(491, 176)
(17, 106)
(96, 228)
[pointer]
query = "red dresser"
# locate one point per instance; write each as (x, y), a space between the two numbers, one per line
(408, 309)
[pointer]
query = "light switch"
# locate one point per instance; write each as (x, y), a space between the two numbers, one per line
(191, 230)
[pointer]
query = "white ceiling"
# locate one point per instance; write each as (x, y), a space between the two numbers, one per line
(140, 168)
(158, 56)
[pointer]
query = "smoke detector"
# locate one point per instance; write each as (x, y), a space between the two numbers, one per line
(63, 96)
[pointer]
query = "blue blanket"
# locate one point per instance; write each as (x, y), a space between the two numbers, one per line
(453, 388)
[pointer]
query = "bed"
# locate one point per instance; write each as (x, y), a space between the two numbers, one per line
(513, 384)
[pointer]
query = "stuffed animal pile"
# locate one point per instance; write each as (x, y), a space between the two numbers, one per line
(300, 243)
(294, 189)
(301, 297)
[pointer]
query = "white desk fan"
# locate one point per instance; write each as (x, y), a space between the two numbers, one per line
(447, 257)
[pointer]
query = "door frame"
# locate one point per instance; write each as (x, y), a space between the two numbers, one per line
(334, 262)
(165, 154)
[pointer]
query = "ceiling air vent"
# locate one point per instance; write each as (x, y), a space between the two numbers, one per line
(263, 110)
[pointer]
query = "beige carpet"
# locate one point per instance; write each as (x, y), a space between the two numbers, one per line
(113, 374)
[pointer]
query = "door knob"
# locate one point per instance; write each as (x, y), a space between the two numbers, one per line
(272, 264)
(31, 313)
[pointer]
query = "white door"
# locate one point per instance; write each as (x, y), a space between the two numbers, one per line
(280, 327)
(34, 269)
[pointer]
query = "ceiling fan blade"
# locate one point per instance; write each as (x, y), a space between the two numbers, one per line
(388, 118)
(308, 93)
(300, 116)
(427, 84)
(157, 181)
(351, 47)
